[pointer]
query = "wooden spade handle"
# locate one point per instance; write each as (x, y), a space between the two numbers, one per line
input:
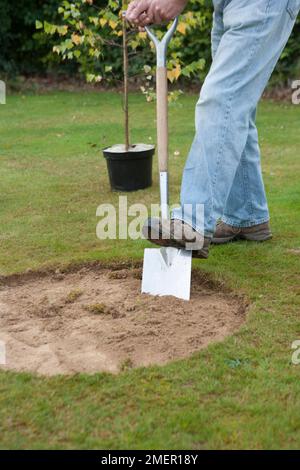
(162, 117)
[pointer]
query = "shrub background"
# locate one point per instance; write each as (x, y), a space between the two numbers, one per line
(26, 51)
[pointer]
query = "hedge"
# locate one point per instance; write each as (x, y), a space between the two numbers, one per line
(26, 51)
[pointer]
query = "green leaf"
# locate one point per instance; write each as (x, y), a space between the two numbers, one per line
(39, 24)
(49, 28)
(90, 77)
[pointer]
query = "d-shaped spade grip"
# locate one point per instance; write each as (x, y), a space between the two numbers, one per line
(162, 110)
(161, 46)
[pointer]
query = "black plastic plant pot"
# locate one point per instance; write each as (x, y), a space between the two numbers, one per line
(129, 170)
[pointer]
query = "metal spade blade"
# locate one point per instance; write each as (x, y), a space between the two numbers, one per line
(167, 271)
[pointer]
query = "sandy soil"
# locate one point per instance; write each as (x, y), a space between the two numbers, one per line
(95, 319)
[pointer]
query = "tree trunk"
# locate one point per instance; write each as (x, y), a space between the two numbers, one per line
(125, 63)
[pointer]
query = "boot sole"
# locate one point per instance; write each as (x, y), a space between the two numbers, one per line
(159, 241)
(248, 237)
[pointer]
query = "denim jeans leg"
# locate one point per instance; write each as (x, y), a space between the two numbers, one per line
(217, 31)
(247, 204)
(255, 34)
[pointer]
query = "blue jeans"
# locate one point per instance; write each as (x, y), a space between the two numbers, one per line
(223, 170)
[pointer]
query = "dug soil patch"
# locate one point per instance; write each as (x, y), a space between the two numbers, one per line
(94, 318)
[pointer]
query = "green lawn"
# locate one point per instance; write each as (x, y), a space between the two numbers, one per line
(242, 393)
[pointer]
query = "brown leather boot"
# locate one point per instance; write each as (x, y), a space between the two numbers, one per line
(177, 234)
(226, 233)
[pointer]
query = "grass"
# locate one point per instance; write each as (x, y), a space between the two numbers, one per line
(241, 393)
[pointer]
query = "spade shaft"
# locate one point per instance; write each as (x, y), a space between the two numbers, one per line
(162, 113)
(166, 271)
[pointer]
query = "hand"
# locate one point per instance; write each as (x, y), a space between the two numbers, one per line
(138, 12)
(143, 12)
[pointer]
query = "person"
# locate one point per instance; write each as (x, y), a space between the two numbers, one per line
(223, 170)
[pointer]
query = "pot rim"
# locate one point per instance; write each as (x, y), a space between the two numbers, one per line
(150, 147)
